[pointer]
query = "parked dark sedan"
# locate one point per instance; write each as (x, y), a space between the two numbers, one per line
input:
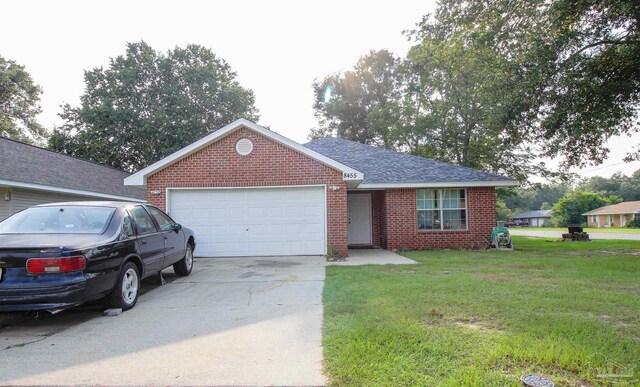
(56, 256)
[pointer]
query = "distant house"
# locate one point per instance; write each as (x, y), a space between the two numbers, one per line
(534, 218)
(30, 175)
(614, 215)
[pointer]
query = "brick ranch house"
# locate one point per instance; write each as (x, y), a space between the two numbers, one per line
(246, 190)
(614, 215)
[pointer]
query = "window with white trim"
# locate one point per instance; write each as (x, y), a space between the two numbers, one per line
(442, 209)
(595, 219)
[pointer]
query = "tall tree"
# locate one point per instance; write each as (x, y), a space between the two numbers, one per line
(498, 84)
(570, 207)
(19, 104)
(457, 104)
(534, 196)
(577, 63)
(361, 104)
(448, 100)
(619, 184)
(147, 104)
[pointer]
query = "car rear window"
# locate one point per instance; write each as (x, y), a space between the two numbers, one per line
(58, 220)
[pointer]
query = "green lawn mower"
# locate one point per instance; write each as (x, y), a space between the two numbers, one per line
(500, 239)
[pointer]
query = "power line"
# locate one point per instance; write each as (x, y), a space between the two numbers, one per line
(599, 168)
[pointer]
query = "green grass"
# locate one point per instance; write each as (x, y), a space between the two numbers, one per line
(622, 230)
(569, 310)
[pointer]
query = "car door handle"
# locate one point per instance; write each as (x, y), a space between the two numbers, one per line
(165, 238)
(143, 242)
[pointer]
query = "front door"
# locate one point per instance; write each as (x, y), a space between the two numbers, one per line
(359, 207)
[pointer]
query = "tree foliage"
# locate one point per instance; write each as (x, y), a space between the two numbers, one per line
(19, 104)
(534, 197)
(569, 209)
(503, 213)
(626, 187)
(544, 196)
(361, 104)
(576, 63)
(442, 102)
(459, 101)
(146, 105)
(496, 85)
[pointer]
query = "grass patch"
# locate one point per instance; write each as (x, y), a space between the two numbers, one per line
(568, 310)
(618, 230)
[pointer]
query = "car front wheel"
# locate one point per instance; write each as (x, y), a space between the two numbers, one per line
(184, 266)
(125, 294)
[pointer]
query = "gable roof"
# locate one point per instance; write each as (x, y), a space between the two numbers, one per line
(620, 208)
(27, 166)
(351, 175)
(533, 214)
(385, 168)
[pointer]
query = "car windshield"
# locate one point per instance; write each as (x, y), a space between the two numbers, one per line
(58, 220)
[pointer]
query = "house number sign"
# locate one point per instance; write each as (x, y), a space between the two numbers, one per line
(349, 175)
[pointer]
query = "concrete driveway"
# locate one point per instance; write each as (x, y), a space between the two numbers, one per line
(241, 321)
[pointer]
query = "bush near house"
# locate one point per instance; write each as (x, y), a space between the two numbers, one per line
(635, 223)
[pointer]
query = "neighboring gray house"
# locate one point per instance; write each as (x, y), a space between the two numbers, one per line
(535, 218)
(30, 175)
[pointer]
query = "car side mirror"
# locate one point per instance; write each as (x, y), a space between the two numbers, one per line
(177, 227)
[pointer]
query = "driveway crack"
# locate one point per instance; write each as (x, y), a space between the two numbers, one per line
(24, 344)
(250, 295)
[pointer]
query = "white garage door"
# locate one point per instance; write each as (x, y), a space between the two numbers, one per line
(253, 221)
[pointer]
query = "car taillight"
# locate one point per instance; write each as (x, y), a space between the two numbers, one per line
(55, 265)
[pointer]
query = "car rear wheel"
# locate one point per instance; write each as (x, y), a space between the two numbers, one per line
(125, 294)
(184, 266)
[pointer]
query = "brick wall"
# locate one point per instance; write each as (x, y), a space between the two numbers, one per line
(269, 164)
(402, 224)
(376, 205)
(383, 219)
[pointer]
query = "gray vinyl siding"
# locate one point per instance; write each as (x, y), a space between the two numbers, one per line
(25, 198)
(5, 208)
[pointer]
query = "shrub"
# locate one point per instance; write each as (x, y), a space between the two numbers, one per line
(635, 223)
(549, 223)
(569, 209)
(334, 254)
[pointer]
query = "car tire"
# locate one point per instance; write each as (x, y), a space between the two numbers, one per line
(125, 294)
(184, 266)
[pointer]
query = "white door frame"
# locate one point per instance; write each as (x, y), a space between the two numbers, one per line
(167, 200)
(370, 243)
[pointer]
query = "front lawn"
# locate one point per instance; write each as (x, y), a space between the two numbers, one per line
(569, 310)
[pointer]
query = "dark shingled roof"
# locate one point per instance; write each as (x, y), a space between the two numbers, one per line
(31, 164)
(385, 166)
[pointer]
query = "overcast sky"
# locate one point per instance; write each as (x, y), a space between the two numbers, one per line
(277, 48)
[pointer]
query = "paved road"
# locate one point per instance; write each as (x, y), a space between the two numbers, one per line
(558, 234)
(234, 321)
